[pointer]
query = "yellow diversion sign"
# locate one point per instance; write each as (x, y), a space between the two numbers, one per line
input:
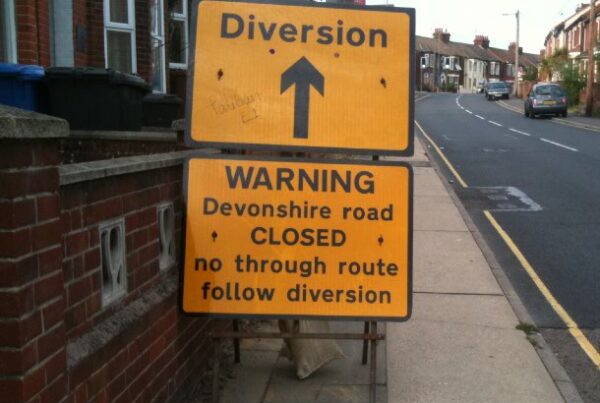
(302, 76)
(298, 238)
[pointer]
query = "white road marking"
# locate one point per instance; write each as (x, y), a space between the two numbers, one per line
(468, 111)
(480, 117)
(520, 132)
(559, 145)
(495, 123)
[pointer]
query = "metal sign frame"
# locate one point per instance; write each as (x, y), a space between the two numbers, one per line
(408, 151)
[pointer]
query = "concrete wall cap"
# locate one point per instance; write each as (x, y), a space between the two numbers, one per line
(93, 170)
(18, 123)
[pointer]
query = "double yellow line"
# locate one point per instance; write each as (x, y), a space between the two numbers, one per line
(571, 325)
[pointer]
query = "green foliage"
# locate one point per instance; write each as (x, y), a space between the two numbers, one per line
(572, 83)
(531, 73)
(448, 87)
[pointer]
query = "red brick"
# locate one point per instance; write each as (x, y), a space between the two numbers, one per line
(92, 260)
(80, 395)
(15, 243)
(79, 290)
(16, 154)
(56, 365)
(78, 267)
(103, 211)
(50, 260)
(49, 288)
(75, 315)
(48, 207)
(94, 237)
(17, 362)
(47, 234)
(28, 182)
(141, 219)
(93, 304)
(65, 219)
(55, 392)
(76, 243)
(116, 387)
(141, 199)
(76, 219)
(17, 273)
(33, 384)
(16, 214)
(54, 313)
(14, 304)
(51, 342)
(46, 154)
(149, 253)
(97, 381)
(16, 333)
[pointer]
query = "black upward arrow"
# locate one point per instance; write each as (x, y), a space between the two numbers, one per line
(303, 74)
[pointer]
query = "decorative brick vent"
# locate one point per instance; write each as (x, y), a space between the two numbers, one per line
(114, 275)
(166, 234)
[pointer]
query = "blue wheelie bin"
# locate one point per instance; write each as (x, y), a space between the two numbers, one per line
(21, 86)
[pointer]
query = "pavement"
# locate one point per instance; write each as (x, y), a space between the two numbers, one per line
(460, 345)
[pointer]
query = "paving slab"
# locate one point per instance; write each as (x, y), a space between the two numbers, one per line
(450, 262)
(459, 348)
(436, 213)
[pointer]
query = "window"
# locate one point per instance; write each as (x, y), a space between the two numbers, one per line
(119, 35)
(8, 35)
(112, 253)
(178, 38)
(157, 41)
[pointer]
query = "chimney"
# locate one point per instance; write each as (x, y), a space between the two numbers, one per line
(511, 47)
(481, 41)
(442, 34)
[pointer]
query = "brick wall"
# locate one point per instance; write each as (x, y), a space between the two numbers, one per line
(33, 32)
(58, 341)
(32, 329)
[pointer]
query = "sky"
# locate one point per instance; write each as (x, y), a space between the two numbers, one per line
(466, 18)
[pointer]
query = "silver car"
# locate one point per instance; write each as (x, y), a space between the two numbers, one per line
(546, 99)
(497, 90)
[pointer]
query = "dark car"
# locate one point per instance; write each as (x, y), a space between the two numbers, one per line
(497, 90)
(546, 99)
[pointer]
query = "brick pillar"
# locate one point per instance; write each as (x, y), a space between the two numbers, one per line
(32, 330)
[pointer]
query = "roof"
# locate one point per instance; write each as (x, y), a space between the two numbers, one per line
(470, 51)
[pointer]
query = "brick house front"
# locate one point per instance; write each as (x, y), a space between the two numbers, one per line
(144, 37)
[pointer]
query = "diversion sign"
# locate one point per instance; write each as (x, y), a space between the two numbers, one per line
(304, 76)
(298, 238)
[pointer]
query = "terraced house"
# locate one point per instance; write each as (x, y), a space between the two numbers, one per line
(572, 36)
(443, 64)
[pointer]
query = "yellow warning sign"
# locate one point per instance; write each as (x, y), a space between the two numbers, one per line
(313, 76)
(298, 238)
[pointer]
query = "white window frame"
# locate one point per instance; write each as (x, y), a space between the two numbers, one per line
(128, 27)
(10, 30)
(156, 36)
(183, 16)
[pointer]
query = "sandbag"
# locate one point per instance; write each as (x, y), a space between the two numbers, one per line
(309, 354)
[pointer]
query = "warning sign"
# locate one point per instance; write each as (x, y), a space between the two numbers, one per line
(298, 76)
(298, 238)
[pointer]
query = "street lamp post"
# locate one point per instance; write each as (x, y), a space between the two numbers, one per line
(516, 84)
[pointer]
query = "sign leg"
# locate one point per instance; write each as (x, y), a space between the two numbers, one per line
(236, 342)
(216, 368)
(373, 366)
(365, 351)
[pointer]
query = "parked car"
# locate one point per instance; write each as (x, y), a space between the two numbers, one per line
(546, 99)
(497, 90)
(481, 86)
